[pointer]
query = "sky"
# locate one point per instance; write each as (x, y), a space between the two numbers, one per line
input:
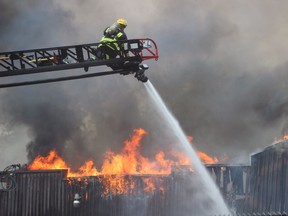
(222, 72)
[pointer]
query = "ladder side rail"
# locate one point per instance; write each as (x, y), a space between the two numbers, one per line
(89, 51)
(12, 65)
(40, 56)
(21, 60)
(59, 54)
(79, 54)
(153, 50)
(11, 60)
(30, 57)
(69, 66)
(7, 54)
(7, 67)
(134, 47)
(149, 47)
(71, 54)
(86, 53)
(51, 57)
(31, 61)
(4, 57)
(59, 79)
(45, 55)
(153, 54)
(36, 58)
(44, 59)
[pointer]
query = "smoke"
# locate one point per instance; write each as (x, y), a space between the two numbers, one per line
(226, 78)
(222, 71)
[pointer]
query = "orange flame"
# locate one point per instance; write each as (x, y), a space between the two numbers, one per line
(206, 158)
(52, 161)
(284, 138)
(128, 162)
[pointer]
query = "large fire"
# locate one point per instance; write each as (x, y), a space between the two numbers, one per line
(129, 161)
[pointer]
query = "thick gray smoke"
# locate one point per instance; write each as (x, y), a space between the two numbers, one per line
(222, 71)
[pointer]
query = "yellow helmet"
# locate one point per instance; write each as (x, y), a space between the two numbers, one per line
(122, 22)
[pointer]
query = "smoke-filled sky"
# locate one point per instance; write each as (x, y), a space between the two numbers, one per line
(222, 72)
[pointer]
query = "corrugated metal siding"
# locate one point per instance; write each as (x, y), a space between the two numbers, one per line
(93, 201)
(37, 193)
(49, 193)
(268, 180)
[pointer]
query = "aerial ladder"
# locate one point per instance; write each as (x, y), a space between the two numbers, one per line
(128, 61)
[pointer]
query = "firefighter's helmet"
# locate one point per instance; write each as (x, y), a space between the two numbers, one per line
(122, 22)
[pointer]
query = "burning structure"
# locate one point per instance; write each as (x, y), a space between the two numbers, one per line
(51, 193)
(267, 187)
(161, 187)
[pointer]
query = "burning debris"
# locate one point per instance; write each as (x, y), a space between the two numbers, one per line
(117, 166)
(162, 187)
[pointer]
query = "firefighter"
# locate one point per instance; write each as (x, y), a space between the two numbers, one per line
(111, 41)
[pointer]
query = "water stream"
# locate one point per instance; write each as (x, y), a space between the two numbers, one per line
(208, 186)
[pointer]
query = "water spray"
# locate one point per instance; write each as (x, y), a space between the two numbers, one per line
(209, 187)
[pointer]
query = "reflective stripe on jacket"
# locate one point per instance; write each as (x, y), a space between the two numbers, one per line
(109, 42)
